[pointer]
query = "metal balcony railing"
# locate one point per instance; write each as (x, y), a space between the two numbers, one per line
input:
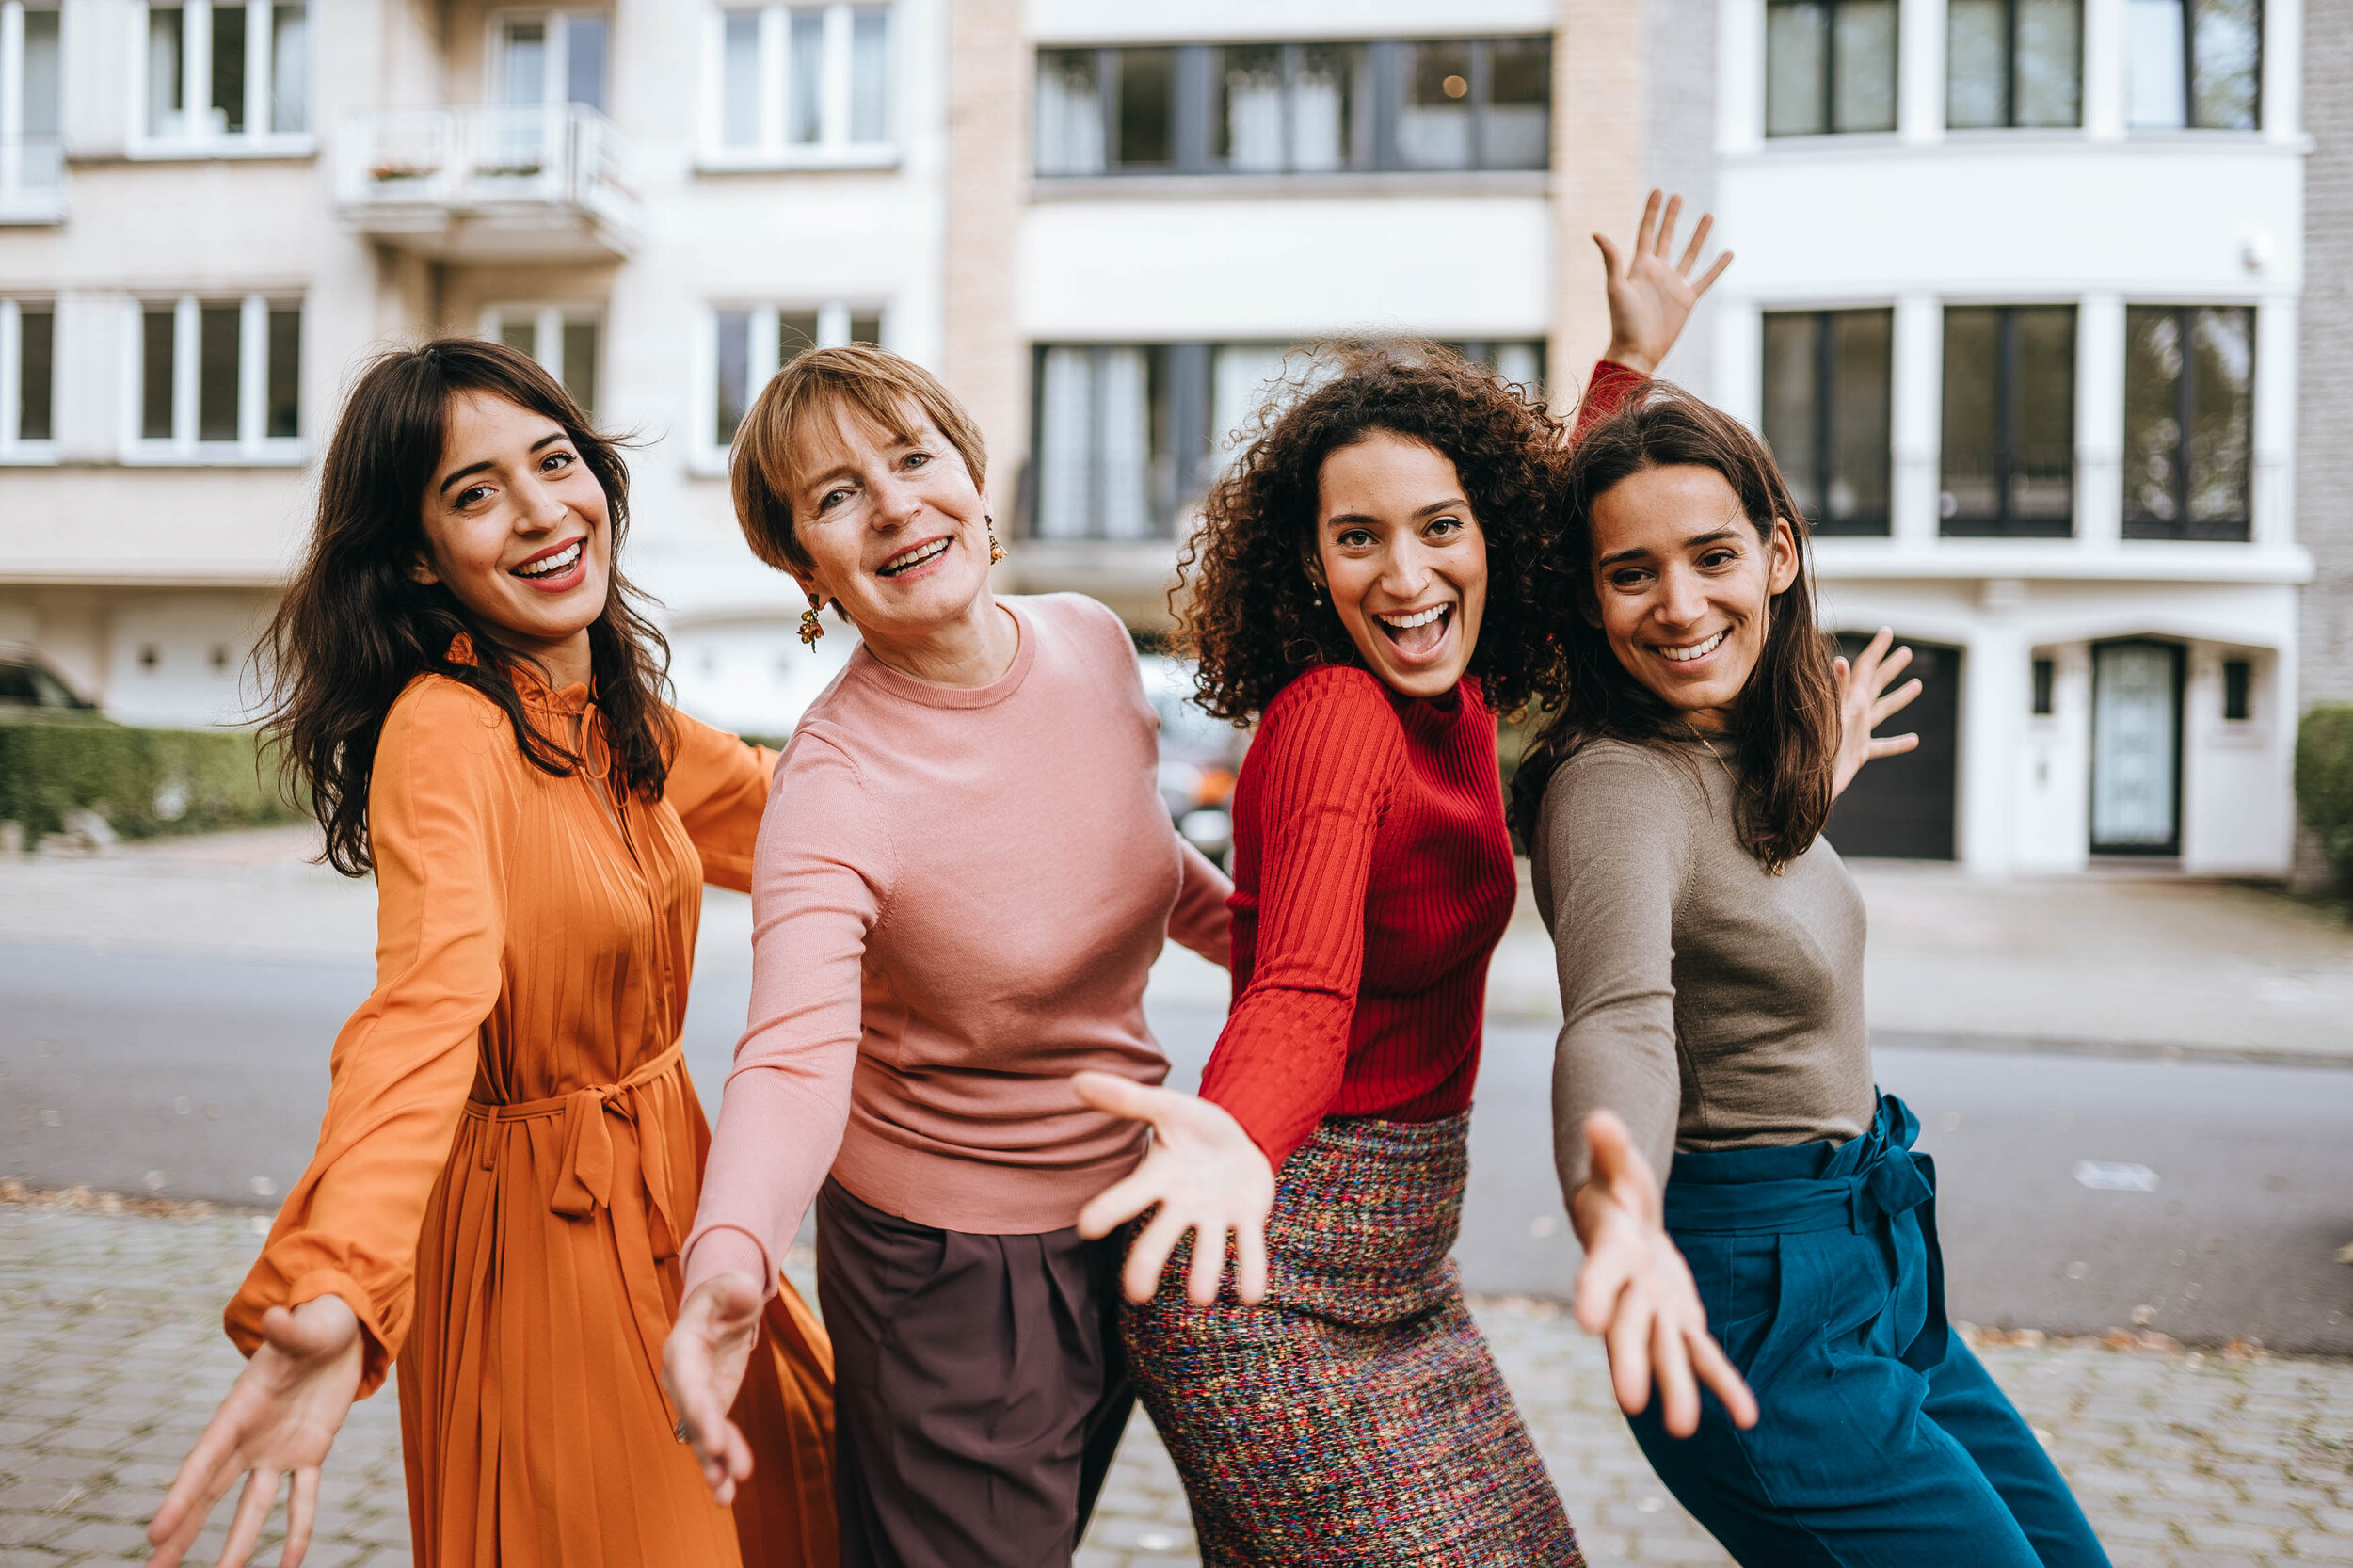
(32, 179)
(489, 181)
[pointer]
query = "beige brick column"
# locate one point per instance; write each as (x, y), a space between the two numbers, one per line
(1598, 91)
(984, 361)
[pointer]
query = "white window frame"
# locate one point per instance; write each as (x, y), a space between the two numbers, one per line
(13, 451)
(197, 140)
(707, 456)
(547, 334)
(558, 19)
(833, 149)
(182, 449)
(19, 203)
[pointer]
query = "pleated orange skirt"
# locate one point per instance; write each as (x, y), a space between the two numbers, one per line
(533, 1426)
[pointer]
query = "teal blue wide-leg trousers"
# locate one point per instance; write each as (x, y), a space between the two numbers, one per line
(1882, 1441)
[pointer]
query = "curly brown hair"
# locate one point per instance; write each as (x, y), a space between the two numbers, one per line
(1250, 615)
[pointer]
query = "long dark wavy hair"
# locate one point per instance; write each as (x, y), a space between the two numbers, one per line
(1247, 610)
(1785, 729)
(355, 627)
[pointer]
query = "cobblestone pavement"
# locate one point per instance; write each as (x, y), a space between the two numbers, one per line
(111, 1358)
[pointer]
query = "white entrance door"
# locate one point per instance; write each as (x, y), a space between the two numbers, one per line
(2136, 748)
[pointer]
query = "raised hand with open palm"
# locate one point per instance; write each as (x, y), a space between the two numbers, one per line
(1651, 294)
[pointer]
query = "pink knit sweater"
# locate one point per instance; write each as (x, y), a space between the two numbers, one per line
(955, 900)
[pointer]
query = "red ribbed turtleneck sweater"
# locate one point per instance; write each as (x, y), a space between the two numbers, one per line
(1372, 880)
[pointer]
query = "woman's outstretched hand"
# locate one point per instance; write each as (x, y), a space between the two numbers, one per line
(1636, 1291)
(278, 1419)
(1865, 703)
(702, 1367)
(1203, 1174)
(1651, 296)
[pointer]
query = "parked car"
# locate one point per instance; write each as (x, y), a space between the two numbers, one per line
(28, 681)
(1199, 758)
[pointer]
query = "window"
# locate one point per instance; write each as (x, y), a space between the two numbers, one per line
(219, 380)
(1128, 435)
(2189, 374)
(32, 165)
(750, 343)
(1827, 395)
(565, 341)
(1295, 109)
(803, 84)
(28, 368)
(1829, 67)
(2194, 64)
(223, 77)
(2013, 63)
(2045, 678)
(552, 58)
(2238, 680)
(2009, 420)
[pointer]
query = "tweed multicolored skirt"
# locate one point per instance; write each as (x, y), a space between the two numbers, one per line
(1355, 1417)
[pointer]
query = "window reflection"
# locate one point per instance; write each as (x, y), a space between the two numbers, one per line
(2188, 421)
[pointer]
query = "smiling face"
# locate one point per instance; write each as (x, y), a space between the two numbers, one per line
(518, 528)
(1402, 559)
(1684, 585)
(894, 527)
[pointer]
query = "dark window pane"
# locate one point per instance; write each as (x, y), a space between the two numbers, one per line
(1860, 436)
(2049, 62)
(1793, 402)
(796, 332)
(1434, 125)
(1976, 64)
(1250, 132)
(42, 74)
(2221, 420)
(1516, 129)
(1330, 129)
(585, 39)
(1147, 108)
(157, 331)
(520, 333)
(290, 69)
(2042, 478)
(285, 414)
(866, 327)
(1863, 50)
(1069, 112)
(580, 363)
(1796, 61)
(228, 68)
(2238, 679)
(2045, 678)
(1972, 424)
(165, 79)
(2152, 426)
(36, 349)
(805, 107)
(734, 374)
(2226, 52)
(217, 345)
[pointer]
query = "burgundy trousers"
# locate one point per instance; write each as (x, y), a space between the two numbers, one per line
(979, 1384)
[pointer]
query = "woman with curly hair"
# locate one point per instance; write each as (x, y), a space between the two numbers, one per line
(1363, 585)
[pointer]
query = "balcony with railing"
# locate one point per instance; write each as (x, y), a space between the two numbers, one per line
(32, 179)
(490, 183)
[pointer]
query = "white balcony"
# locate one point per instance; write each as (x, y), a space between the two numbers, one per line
(32, 180)
(490, 183)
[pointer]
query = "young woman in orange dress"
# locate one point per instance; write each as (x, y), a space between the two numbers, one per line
(512, 1150)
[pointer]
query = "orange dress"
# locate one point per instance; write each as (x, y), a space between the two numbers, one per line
(512, 1155)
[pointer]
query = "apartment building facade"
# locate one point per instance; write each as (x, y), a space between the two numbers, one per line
(211, 213)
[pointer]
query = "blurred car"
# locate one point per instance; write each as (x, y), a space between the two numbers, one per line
(28, 681)
(1200, 757)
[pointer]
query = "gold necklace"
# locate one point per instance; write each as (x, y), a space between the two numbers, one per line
(1703, 740)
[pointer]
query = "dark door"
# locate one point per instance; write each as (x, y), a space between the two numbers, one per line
(2137, 748)
(1902, 806)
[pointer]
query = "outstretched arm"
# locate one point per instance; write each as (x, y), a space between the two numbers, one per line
(1865, 703)
(1652, 296)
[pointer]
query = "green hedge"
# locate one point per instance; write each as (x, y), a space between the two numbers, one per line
(2324, 784)
(143, 781)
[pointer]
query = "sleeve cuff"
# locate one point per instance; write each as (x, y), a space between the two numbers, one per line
(243, 1321)
(729, 1250)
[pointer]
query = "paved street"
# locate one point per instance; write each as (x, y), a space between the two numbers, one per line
(111, 1357)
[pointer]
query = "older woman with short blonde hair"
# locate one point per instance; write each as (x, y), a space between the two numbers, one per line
(964, 876)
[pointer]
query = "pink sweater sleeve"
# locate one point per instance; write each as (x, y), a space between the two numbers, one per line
(820, 877)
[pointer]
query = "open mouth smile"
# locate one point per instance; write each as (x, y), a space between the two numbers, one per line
(1416, 631)
(552, 562)
(1691, 652)
(913, 557)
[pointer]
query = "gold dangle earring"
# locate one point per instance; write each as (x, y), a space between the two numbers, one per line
(811, 628)
(996, 551)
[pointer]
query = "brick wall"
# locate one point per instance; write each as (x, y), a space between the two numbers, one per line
(1679, 153)
(2324, 459)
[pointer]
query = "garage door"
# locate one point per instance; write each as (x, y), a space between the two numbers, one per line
(1903, 806)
